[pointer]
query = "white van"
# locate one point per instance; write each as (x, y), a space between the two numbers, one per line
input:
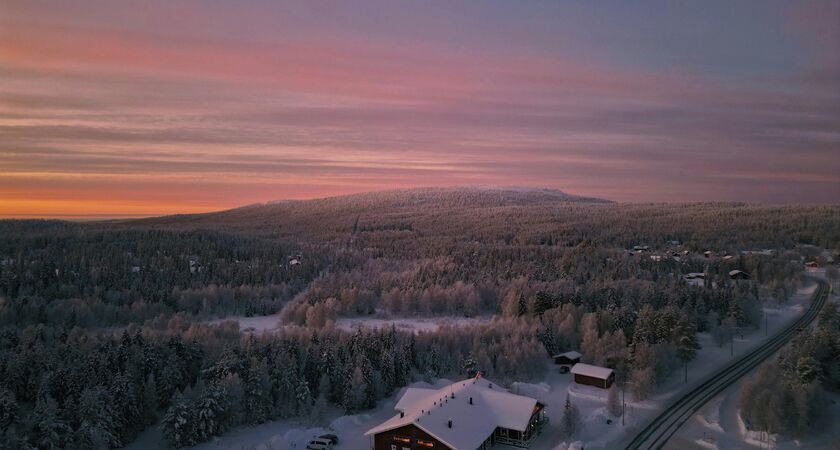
(319, 444)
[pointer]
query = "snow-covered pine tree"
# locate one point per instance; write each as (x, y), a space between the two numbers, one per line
(685, 338)
(8, 408)
(150, 400)
(50, 431)
(178, 426)
(303, 398)
(99, 427)
(613, 402)
(570, 422)
(210, 413)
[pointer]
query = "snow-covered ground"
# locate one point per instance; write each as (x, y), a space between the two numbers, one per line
(595, 433)
(258, 324)
(254, 324)
(412, 324)
(719, 426)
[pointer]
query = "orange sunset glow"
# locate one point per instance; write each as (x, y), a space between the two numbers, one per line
(108, 110)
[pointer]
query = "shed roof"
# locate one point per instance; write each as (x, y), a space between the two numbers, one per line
(571, 355)
(591, 371)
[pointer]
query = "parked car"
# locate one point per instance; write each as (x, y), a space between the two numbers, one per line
(330, 437)
(564, 369)
(319, 444)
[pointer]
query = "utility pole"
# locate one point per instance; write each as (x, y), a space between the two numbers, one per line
(731, 343)
(766, 322)
(623, 404)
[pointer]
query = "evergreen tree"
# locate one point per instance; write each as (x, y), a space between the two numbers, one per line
(210, 413)
(50, 431)
(99, 427)
(150, 400)
(8, 408)
(613, 402)
(178, 426)
(686, 341)
(570, 422)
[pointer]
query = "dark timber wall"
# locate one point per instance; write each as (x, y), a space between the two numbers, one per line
(597, 382)
(414, 435)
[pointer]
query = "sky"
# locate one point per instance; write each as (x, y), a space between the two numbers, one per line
(113, 108)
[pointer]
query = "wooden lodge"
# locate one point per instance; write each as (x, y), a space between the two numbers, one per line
(473, 414)
(590, 375)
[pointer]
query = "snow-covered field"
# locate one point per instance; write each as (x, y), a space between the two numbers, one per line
(413, 325)
(596, 433)
(255, 324)
(258, 324)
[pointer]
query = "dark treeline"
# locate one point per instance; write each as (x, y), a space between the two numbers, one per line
(71, 274)
(78, 389)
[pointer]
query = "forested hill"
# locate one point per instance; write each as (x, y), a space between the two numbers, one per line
(520, 216)
(385, 209)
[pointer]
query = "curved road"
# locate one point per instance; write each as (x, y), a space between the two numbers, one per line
(657, 433)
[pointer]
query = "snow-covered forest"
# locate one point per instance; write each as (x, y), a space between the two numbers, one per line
(103, 325)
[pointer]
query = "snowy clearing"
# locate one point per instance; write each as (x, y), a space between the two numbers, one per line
(410, 324)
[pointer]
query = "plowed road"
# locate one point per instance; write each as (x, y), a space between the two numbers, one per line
(660, 430)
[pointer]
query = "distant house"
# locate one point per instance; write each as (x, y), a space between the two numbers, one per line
(590, 375)
(641, 248)
(135, 269)
(738, 275)
(294, 262)
(568, 358)
(473, 414)
(727, 257)
(656, 258)
(812, 265)
(195, 266)
(708, 253)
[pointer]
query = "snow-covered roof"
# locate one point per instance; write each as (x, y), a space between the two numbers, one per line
(432, 409)
(570, 355)
(735, 272)
(591, 371)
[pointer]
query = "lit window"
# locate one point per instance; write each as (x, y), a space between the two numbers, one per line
(425, 443)
(402, 439)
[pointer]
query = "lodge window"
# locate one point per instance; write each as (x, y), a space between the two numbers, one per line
(393, 446)
(425, 443)
(402, 439)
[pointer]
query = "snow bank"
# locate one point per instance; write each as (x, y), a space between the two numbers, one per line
(538, 391)
(710, 415)
(576, 445)
(588, 392)
(710, 443)
(756, 438)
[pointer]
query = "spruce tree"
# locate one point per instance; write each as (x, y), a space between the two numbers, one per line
(178, 423)
(570, 421)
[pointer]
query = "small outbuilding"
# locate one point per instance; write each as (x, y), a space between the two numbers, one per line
(590, 375)
(738, 275)
(568, 359)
